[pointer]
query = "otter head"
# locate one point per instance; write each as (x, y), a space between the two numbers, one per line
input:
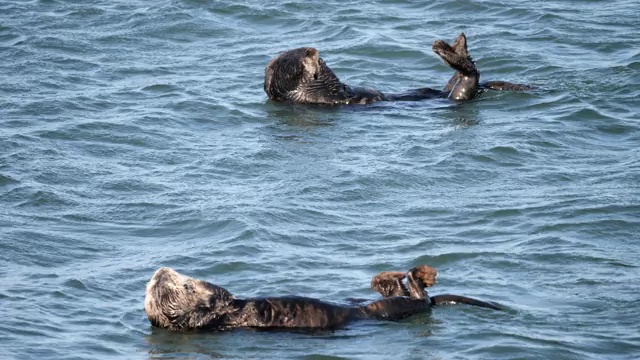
(177, 302)
(301, 76)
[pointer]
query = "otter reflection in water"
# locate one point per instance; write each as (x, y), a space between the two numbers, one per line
(178, 302)
(301, 76)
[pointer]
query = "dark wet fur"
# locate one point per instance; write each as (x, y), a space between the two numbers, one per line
(301, 76)
(447, 299)
(180, 303)
(465, 83)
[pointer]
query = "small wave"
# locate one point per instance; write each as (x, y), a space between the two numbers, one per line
(162, 88)
(7, 180)
(75, 284)
(586, 114)
(43, 198)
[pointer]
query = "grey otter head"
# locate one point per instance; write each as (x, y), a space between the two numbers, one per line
(301, 76)
(177, 302)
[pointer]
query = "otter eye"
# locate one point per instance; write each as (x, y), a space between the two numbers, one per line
(315, 76)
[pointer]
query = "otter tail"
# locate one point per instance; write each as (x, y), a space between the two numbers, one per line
(506, 86)
(457, 299)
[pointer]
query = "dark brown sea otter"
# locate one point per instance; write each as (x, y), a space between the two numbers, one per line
(301, 76)
(181, 303)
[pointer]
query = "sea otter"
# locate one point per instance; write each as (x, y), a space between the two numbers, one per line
(301, 76)
(181, 303)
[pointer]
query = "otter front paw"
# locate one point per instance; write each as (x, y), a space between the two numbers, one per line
(442, 48)
(389, 283)
(424, 273)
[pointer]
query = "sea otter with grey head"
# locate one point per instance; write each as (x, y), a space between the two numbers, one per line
(181, 303)
(301, 76)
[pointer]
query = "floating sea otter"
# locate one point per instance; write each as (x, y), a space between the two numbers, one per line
(180, 303)
(301, 76)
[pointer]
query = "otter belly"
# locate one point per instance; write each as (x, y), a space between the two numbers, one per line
(291, 312)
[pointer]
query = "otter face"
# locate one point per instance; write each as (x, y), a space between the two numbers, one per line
(177, 302)
(301, 76)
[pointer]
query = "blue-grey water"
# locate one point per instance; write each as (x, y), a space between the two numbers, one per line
(136, 134)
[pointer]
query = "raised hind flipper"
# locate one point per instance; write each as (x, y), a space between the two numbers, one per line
(505, 86)
(466, 84)
(424, 276)
(457, 299)
(453, 59)
(389, 283)
(460, 47)
(400, 302)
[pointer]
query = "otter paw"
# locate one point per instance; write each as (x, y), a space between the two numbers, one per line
(389, 283)
(425, 273)
(460, 45)
(441, 48)
(390, 275)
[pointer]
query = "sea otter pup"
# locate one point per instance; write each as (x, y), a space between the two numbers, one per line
(301, 76)
(180, 303)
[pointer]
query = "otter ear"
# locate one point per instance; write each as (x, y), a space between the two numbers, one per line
(312, 53)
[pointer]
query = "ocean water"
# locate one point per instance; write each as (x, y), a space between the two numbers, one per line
(136, 134)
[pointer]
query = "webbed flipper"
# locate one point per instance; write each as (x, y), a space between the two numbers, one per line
(464, 84)
(457, 299)
(460, 47)
(389, 283)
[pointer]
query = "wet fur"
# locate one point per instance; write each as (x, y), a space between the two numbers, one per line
(180, 303)
(465, 83)
(390, 284)
(301, 76)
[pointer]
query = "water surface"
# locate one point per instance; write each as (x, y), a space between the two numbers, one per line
(136, 134)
